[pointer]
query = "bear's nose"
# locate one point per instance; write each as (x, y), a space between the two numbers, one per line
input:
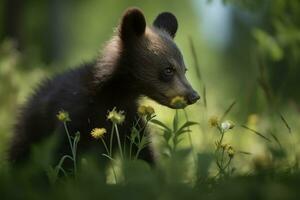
(193, 97)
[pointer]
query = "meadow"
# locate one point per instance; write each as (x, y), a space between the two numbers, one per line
(240, 141)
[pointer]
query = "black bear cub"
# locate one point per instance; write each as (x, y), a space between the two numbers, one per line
(137, 61)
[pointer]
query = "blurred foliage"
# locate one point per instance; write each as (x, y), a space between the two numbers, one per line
(277, 34)
(258, 70)
(16, 81)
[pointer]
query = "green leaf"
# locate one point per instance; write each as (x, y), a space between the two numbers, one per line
(52, 175)
(144, 142)
(134, 134)
(186, 125)
(166, 154)
(162, 125)
(167, 135)
(178, 133)
(179, 140)
(175, 121)
(75, 141)
(268, 44)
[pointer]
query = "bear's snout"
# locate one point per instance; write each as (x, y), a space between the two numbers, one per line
(192, 97)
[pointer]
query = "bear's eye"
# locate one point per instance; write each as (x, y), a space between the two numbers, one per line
(168, 71)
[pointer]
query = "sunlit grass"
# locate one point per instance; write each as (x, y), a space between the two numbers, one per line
(194, 148)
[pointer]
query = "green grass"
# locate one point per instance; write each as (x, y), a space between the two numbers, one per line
(203, 151)
(171, 178)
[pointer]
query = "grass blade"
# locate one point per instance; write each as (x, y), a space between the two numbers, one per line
(204, 96)
(276, 140)
(195, 58)
(263, 81)
(257, 133)
(197, 69)
(228, 110)
(285, 123)
(245, 152)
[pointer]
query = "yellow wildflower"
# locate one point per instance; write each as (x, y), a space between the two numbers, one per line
(98, 133)
(145, 110)
(63, 116)
(117, 117)
(150, 110)
(142, 110)
(213, 121)
(178, 102)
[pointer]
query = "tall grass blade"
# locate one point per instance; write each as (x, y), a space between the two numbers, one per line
(263, 81)
(228, 110)
(285, 123)
(245, 152)
(195, 58)
(204, 96)
(276, 140)
(257, 133)
(197, 68)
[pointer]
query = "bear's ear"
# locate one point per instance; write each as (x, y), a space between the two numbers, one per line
(133, 23)
(168, 22)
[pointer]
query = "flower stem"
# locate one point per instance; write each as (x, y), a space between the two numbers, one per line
(105, 146)
(119, 141)
(72, 147)
(131, 140)
(68, 134)
(111, 140)
(190, 139)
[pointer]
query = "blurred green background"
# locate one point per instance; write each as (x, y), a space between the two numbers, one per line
(247, 52)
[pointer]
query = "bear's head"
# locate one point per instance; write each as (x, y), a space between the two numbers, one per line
(153, 58)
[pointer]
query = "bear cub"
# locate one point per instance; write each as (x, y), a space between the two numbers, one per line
(137, 61)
